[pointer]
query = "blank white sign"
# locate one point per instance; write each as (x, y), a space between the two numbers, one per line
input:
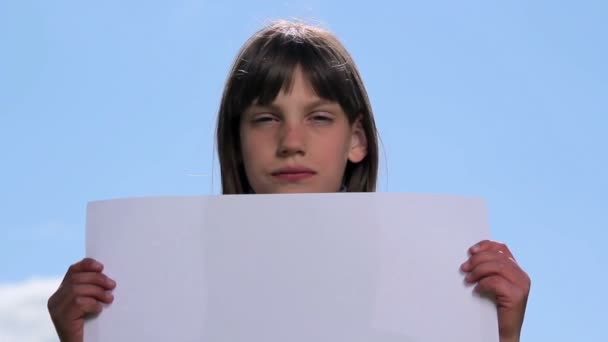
(364, 267)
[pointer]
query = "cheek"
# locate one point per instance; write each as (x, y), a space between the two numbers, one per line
(343, 145)
(253, 147)
(248, 149)
(334, 150)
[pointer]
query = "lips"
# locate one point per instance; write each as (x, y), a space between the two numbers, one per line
(293, 173)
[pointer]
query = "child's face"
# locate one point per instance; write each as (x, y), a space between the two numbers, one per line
(299, 143)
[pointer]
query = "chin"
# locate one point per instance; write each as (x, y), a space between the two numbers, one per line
(295, 189)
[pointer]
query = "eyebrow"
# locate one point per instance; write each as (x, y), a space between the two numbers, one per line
(320, 102)
(308, 106)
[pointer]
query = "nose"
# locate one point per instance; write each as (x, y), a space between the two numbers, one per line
(291, 140)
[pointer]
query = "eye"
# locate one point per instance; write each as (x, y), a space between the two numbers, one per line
(322, 117)
(264, 118)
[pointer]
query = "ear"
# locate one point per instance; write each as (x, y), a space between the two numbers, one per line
(358, 142)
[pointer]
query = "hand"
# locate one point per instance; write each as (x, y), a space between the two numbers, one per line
(82, 293)
(492, 266)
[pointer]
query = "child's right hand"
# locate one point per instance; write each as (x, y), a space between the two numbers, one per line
(82, 292)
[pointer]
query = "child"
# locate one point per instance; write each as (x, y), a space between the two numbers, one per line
(295, 117)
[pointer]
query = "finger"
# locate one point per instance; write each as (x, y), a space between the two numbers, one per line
(92, 278)
(492, 268)
(493, 285)
(488, 245)
(79, 303)
(93, 291)
(483, 257)
(85, 306)
(85, 265)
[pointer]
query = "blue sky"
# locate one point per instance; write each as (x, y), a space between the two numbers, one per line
(502, 99)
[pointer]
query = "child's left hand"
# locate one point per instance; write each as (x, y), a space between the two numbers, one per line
(492, 266)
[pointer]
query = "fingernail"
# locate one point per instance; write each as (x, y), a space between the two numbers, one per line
(111, 282)
(465, 266)
(475, 248)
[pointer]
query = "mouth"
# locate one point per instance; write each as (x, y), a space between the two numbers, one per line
(293, 173)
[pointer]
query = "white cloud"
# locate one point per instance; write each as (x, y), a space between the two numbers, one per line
(23, 313)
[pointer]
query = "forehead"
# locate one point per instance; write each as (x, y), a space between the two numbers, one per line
(298, 89)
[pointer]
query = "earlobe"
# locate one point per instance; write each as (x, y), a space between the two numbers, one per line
(358, 143)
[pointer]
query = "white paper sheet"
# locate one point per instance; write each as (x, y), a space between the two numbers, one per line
(381, 267)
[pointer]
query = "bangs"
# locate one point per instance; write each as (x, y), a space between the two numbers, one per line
(266, 69)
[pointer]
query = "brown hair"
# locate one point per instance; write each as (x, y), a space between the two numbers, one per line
(264, 65)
